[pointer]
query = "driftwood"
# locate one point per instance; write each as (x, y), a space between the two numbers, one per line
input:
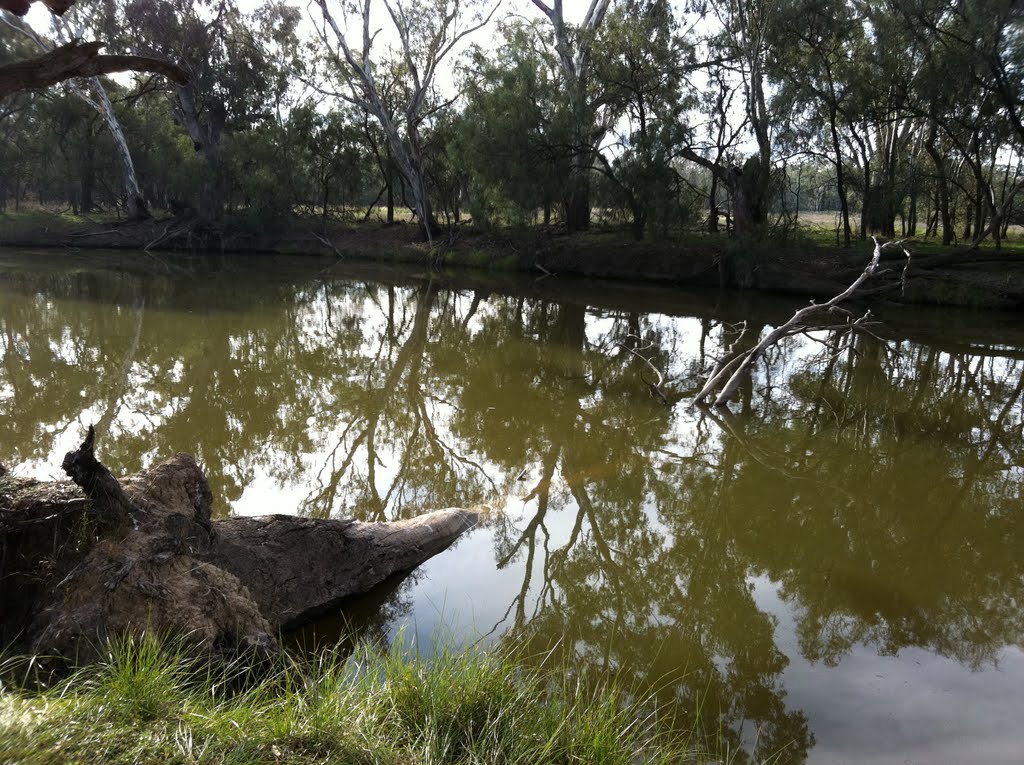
(79, 59)
(337, 558)
(731, 371)
(112, 508)
(78, 564)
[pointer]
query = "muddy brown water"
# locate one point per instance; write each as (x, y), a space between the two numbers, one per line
(832, 569)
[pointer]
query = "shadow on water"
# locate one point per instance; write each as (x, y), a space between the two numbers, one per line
(874, 484)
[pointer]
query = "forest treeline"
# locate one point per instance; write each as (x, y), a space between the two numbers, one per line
(905, 116)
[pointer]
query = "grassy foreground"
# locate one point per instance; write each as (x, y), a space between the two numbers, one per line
(147, 703)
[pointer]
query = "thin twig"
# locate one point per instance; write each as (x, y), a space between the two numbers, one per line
(655, 387)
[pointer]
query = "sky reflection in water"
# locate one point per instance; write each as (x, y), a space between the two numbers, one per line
(832, 567)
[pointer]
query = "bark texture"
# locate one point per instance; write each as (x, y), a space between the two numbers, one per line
(78, 59)
(339, 558)
(79, 565)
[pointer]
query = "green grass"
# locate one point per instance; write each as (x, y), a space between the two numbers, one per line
(148, 702)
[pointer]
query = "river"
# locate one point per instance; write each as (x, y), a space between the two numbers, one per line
(831, 569)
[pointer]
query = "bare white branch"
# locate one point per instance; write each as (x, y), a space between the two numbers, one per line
(731, 375)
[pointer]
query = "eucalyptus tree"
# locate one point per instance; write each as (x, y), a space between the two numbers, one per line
(592, 117)
(235, 81)
(991, 31)
(516, 128)
(72, 26)
(333, 145)
(65, 29)
(641, 68)
(428, 31)
(969, 89)
(747, 31)
(76, 59)
(716, 123)
(818, 81)
(963, 132)
(389, 81)
(17, 119)
(886, 137)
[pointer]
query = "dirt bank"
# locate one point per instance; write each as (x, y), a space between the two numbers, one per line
(985, 279)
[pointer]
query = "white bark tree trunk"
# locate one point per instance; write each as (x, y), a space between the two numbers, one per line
(88, 53)
(135, 203)
(574, 60)
(422, 50)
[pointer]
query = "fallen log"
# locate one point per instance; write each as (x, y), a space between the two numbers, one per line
(340, 558)
(80, 563)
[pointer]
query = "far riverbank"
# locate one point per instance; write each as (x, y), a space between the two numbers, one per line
(800, 266)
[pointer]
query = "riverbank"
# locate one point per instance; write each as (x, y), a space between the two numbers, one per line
(801, 265)
(149, 703)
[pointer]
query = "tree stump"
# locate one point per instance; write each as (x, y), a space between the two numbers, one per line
(143, 553)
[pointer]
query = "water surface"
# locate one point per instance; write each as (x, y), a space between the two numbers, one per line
(831, 568)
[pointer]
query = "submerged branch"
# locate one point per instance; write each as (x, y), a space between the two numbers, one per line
(730, 375)
(659, 379)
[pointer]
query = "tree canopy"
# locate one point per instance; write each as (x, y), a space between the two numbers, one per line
(902, 116)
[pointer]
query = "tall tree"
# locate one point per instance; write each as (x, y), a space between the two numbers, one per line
(818, 81)
(233, 82)
(591, 115)
(428, 32)
(515, 129)
(746, 30)
(91, 90)
(641, 64)
(969, 90)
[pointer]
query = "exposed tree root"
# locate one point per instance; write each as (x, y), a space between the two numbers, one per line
(143, 553)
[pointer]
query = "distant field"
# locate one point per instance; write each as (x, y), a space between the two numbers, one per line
(818, 228)
(830, 221)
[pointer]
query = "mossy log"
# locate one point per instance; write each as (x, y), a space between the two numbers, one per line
(83, 562)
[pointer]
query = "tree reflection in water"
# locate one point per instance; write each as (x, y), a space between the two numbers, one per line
(877, 484)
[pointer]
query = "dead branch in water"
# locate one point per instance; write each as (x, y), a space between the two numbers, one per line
(728, 376)
(659, 379)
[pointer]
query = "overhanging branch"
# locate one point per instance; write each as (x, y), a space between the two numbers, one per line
(79, 59)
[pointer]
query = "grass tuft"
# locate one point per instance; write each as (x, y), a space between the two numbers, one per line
(150, 701)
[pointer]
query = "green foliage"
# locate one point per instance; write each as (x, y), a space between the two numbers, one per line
(641, 58)
(515, 134)
(330, 164)
(905, 112)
